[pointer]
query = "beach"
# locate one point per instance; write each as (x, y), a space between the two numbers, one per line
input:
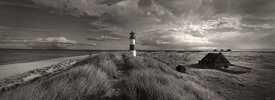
(18, 68)
(26, 55)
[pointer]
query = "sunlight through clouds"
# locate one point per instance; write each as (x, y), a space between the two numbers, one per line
(178, 23)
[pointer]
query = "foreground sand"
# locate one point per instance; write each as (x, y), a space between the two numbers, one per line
(18, 68)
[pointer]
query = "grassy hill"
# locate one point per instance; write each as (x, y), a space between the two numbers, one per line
(114, 76)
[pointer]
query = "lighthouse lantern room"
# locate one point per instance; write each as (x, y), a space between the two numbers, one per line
(132, 44)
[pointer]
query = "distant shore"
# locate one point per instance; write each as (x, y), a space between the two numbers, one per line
(11, 56)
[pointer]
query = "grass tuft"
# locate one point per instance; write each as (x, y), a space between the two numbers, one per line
(111, 76)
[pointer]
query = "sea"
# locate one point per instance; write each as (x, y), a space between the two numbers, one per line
(10, 56)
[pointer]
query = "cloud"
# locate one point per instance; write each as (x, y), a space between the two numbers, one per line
(21, 3)
(186, 33)
(141, 13)
(54, 40)
(173, 37)
(216, 32)
(178, 23)
(176, 7)
(105, 28)
(123, 13)
(2, 36)
(154, 11)
(47, 43)
(238, 40)
(239, 7)
(103, 38)
(259, 23)
(263, 26)
(4, 27)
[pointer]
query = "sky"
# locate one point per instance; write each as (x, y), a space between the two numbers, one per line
(158, 24)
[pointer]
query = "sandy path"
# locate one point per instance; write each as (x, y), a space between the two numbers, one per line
(18, 68)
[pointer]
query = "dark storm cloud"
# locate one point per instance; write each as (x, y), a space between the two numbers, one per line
(3, 36)
(137, 13)
(158, 8)
(20, 4)
(176, 23)
(108, 2)
(258, 7)
(201, 8)
(244, 7)
(145, 3)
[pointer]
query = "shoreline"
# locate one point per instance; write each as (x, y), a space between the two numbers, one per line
(10, 70)
(48, 68)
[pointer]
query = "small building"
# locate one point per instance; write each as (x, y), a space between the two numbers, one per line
(215, 60)
(228, 50)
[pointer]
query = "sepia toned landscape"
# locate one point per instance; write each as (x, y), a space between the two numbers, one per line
(150, 75)
(137, 50)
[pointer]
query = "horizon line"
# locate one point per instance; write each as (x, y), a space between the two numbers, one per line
(141, 49)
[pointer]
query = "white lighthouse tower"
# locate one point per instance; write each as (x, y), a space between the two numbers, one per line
(132, 44)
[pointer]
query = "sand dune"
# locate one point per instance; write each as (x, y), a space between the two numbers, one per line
(113, 76)
(149, 76)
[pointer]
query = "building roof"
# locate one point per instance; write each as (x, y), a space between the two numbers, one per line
(215, 58)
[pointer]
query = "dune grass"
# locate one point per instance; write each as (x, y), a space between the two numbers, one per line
(113, 76)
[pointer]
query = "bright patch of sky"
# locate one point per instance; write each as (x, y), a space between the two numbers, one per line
(159, 24)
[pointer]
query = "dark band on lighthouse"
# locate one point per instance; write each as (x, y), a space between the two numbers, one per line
(132, 47)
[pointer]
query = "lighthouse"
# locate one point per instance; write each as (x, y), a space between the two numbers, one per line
(132, 44)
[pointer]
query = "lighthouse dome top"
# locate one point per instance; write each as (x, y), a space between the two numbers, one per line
(132, 32)
(132, 35)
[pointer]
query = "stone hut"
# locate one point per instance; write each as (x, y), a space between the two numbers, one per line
(215, 60)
